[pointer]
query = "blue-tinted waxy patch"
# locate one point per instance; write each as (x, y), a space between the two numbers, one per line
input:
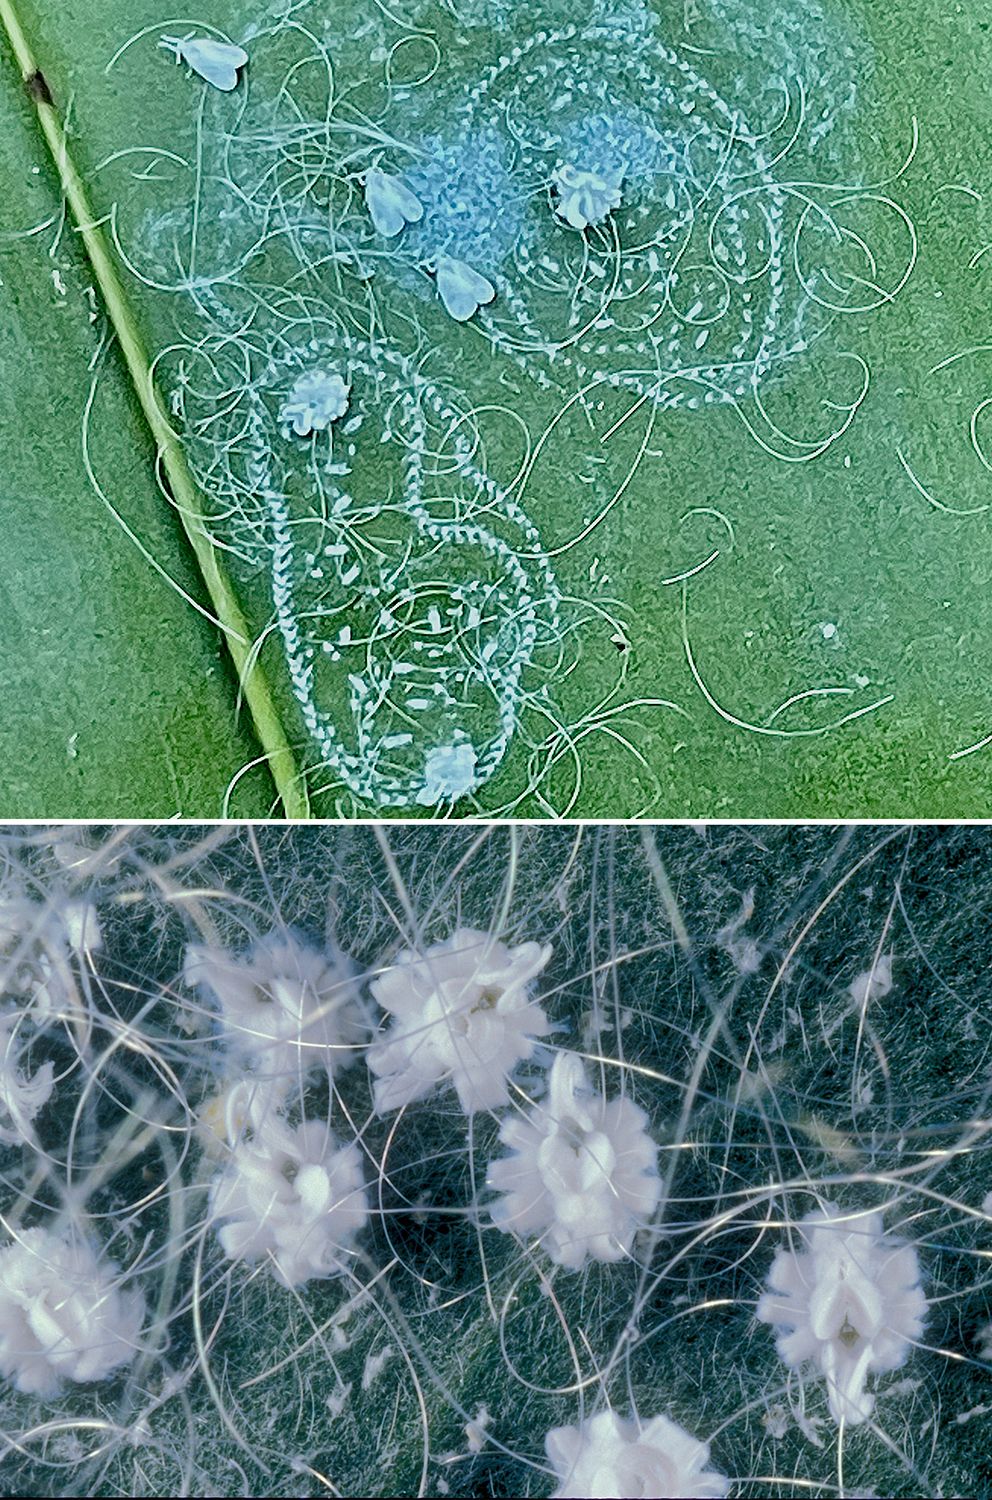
(473, 206)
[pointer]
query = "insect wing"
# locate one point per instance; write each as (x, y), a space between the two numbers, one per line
(462, 290)
(391, 203)
(217, 62)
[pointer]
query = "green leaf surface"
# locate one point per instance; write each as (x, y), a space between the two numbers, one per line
(117, 694)
(842, 573)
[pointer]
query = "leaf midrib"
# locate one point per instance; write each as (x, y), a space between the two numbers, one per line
(227, 613)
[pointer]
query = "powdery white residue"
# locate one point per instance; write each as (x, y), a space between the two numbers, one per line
(338, 1400)
(742, 950)
(874, 983)
(475, 1431)
(375, 1364)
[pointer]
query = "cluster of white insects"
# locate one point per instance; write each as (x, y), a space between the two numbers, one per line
(581, 1172)
(608, 222)
(578, 1182)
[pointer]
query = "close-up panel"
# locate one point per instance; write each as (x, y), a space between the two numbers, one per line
(409, 1161)
(522, 409)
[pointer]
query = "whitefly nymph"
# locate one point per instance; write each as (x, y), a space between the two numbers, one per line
(846, 1300)
(609, 1456)
(449, 773)
(63, 1312)
(585, 197)
(582, 1171)
(290, 1196)
(286, 1007)
(463, 1013)
(318, 398)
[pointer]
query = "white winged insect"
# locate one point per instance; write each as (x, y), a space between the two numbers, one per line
(462, 290)
(390, 202)
(218, 62)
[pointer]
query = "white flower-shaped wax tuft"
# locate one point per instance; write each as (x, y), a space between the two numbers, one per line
(317, 399)
(607, 1456)
(462, 1013)
(286, 1007)
(582, 1174)
(585, 198)
(449, 772)
(21, 1095)
(848, 1302)
(62, 1315)
(292, 1194)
